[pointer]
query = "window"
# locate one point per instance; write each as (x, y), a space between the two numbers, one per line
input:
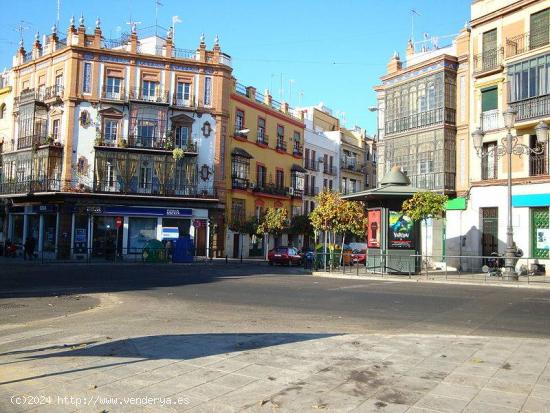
(181, 136)
(240, 167)
(489, 99)
(59, 83)
(87, 80)
(367, 180)
(207, 91)
(112, 88)
(330, 185)
(261, 130)
(529, 78)
(239, 120)
(325, 183)
(344, 188)
(280, 133)
(238, 209)
(540, 29)
(352, 186)
(183, 91)
(297, 180)
(145, 176)
(146, 132)
(140, 231)
(260, 175)
(55, 129)
(279, 179)
(312, 185)
(149, 90)
(110, 130)
(489, 163)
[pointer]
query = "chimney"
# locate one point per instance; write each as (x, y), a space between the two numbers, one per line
(394, 64)
(267, 98)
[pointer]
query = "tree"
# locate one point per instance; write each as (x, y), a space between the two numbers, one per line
(300, 225)
(324, 216)
(351, 219)
(423, 206)
(274, 222)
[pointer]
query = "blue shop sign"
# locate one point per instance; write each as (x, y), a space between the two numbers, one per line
(530, 200)
(141, 211)
(44, 209)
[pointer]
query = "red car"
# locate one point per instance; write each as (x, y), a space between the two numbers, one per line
(359, 256)
(284, 255)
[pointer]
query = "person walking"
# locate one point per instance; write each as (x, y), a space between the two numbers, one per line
(32, 246)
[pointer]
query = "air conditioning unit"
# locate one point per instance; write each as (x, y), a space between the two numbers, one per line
(291, 191)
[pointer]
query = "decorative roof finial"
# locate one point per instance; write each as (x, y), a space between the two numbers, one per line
(97, 23)
(54, 29)
(36, 37)
(216, 41)
(71, 22)
(202, 38)
(81, 20)
(395, 55)
(21, 44)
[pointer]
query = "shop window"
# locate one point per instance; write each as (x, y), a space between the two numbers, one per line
(540, 232)
(140, 231)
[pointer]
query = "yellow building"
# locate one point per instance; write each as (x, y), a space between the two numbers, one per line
(264, 166)
(6, 123)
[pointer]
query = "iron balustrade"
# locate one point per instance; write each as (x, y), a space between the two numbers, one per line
(329, 170)
(311, 191)
(30, 185)
(488, 60)
(271, 189)
(184, 53)
(115, 43)
(119, 95)
(311, 164)
(421, 120)
(489, 170)
(538, 164)
(179, 101)
(491, 120)
(281, 145)
(24, 142)
(152, 188)
(240, 89)
(159, 96)
(152, 142)
(239, 183)
(527, 41)
(531, 108)
(262, 139)
(297, 149)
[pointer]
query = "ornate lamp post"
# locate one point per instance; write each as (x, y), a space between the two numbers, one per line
(510, 146)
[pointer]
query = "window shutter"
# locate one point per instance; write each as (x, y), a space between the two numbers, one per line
(540, 29)
(489, 99)
(489, 40)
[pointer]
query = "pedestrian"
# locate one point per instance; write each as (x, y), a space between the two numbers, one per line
(26, 247)
(32, 246)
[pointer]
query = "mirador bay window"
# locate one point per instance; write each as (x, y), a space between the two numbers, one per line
(240, 171)
(530, 78)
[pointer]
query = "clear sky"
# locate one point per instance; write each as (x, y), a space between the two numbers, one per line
(318, 50)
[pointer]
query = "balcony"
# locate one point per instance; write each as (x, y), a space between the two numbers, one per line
(421, 120)
(270, 189)
(180, 101)
(538, 164)
(240, 183)
(113, 94)
(25, 142)
(297, 149)
(491, 120)
(489, 170)
(29, 186)
(311, 191)
(295, 192)
(489, 61)
(329, 170)
(158, 96)
(281, 145)
(262, 139)
(350, 164)
(311, 165)
(152, 188)
(526, 42)
(532, 108)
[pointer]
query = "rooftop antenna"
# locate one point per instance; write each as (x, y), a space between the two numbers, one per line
(413, 13)
(157, 4)
(58, 11)
(21, 27)
(133, 25)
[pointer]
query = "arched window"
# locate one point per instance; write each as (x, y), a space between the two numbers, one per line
(2, 110)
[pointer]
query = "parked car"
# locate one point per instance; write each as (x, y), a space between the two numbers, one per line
(284, 255)
(359, 256)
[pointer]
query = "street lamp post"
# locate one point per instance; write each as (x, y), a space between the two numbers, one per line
(510, 146)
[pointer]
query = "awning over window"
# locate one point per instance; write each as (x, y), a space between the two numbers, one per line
(297, 168)
(241, 152)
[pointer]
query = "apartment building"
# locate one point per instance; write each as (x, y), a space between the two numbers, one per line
(113, 140)
(321, 154)
(6, 125)
(510, 68)
(264, 166)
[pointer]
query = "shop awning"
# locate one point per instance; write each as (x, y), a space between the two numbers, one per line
(297, 168)
(456, 204)
(530, 200)
(241, 152)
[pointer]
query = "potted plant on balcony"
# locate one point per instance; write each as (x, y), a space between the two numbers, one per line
(99, 139)
(49, 140)
(122, 143)
(177, 154)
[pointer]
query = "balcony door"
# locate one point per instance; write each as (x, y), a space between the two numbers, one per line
(540, 29)
(489, 53)
(489, 231)
(146, 133)
(112, 88)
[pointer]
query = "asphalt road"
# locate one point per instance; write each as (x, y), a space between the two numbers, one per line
(229, 298)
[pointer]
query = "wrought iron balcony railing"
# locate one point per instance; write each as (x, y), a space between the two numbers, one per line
(297, 149)
(421, 120)
(491, 120)
(30, 185)
(311, 164)
(271, 189)
(538, 164)
(135, 187)
(329, 170)
(488, 61)
(179, 100)
(239, 183)
(528, 41)
(157, 96)
(281, 145)
(262, 139)
(117, 94)
(532, 108)
(24, 142)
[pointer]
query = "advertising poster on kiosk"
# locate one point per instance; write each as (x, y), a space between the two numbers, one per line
(400, 231)
(374, 227)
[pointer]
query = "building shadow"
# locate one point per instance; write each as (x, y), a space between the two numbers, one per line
(177, 347)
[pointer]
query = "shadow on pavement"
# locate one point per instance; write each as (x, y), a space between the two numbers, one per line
(177, 347)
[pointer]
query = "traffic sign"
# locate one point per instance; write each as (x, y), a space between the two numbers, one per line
(118, 222)
(197, 223)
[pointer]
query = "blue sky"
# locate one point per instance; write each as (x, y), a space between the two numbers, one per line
(329, 51)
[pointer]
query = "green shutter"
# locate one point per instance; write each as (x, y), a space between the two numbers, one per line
(489, 99)
(489, 41)
(539, 34)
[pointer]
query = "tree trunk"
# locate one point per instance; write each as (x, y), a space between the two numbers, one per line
(266, 245)
(342, 249)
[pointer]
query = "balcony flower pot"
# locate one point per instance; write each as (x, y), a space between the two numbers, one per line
(177, 154)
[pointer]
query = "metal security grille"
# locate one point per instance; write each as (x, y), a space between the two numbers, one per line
(540, 219)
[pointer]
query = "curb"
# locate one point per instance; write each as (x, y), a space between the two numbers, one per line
(539, 286)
